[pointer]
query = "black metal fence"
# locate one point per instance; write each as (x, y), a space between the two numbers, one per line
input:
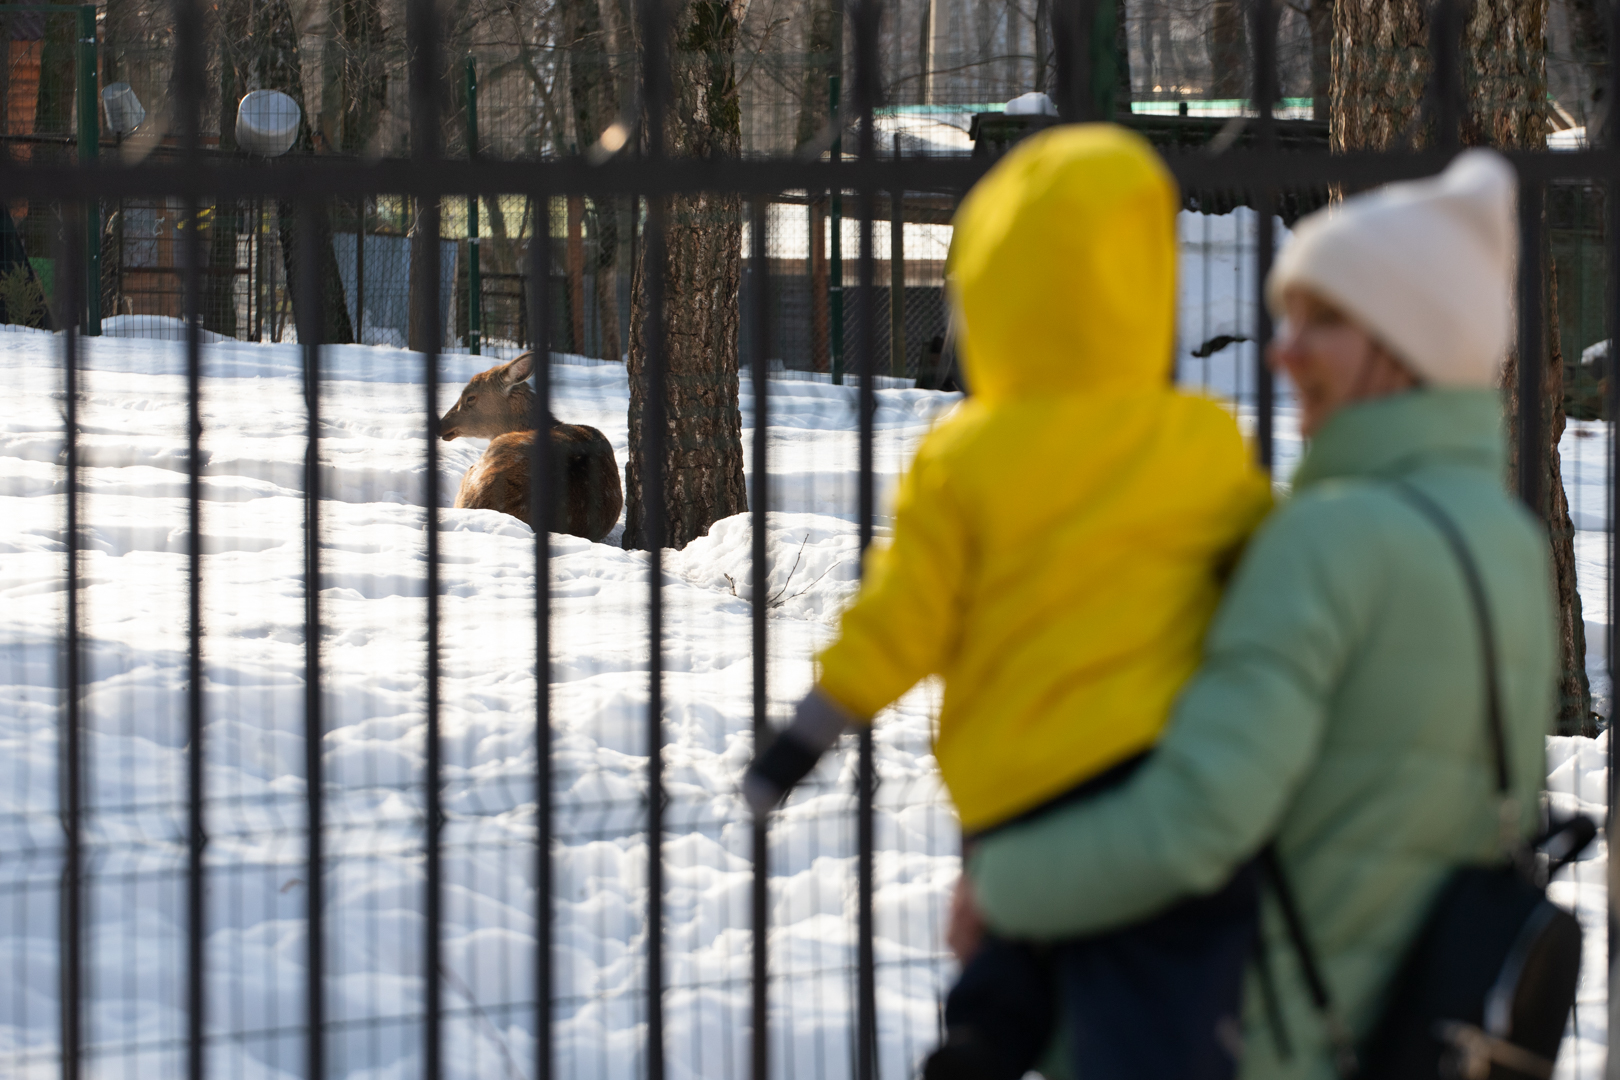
(313, 776)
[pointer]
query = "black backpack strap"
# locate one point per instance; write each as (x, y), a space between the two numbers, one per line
(1344, 1050)
(1344, 1055)
(1268, 997)
(1495, 729)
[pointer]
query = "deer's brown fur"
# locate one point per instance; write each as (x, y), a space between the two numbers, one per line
(498, 405)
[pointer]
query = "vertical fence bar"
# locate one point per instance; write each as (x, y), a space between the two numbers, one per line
(759, 500)
(1530, 425)
(423, 33)
(1446, 93)
(89, 150)
(656, 91)
(194, 670)
(652, 481)
(1263, 14)
(434, 758)
(542, 500)
(360, 274)
(1612, 412)
(190, 85)
(71, 925)
(835, 235)
(897, 276)
(866, 14)
(308, 304)
(475, 290)
(1073, 22)
(1611, 136)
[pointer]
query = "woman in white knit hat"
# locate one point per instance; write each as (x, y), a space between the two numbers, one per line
(1340, 705)
(1409, 285)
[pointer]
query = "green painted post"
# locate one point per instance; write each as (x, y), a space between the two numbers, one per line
(475, 292)
(835, 286)
(89, 148)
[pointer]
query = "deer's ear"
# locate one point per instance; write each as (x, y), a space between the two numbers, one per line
(517, 371)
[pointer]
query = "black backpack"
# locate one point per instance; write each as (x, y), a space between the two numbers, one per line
(1486, 987)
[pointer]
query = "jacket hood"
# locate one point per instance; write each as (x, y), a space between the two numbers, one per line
(1394, 435)
(1062, 266)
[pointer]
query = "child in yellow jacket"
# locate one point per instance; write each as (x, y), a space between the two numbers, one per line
(1060, 540)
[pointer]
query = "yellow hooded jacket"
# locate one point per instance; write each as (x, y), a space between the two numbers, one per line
(1060, 541)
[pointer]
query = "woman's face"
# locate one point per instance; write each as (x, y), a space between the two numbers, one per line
(1331, 360)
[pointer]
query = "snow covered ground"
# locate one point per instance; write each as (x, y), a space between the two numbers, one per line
(372, 595)
(372, 589)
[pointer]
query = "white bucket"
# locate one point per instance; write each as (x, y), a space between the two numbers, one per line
(267, 123)
(124, 110)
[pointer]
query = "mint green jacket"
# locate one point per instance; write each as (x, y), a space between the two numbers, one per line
(1339, 708)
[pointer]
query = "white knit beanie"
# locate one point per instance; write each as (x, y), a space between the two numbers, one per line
(1426, 267)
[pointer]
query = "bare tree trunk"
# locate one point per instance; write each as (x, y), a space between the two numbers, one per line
(1228, 51)
(53, 115)
(8, 28)
(576, 271)
(593, 94)
(703, 473)
(361, 77)
(1043, 46)
(824, 58)
(820, 276)
(218, 286)
(605, 221)
(271, 53)
(1575, 716)
(1122, 65)
(112, 42)
(1320, 20)
(1589, 32)
(421, 291)
(1380, 65)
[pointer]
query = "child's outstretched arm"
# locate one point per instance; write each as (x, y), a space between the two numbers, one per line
(902, 627)
(817, 723)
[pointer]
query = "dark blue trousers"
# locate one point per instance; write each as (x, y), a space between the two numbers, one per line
(1156, 1000)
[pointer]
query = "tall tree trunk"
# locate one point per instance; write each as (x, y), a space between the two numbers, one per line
(53, 115)
(824, 58)
(8, 30)
(420, 291)
(1320, 20)
(1122, 65)
(271, 57)
(1589, 32)
(576, 271)
(1228, 51)
(1380, 65)
(1043, 42)
(605, 227)
(593, 96)
(703, 473)
(219, 285)
(361, 78)
(820, 277)
(1575, 715)
(113, 33)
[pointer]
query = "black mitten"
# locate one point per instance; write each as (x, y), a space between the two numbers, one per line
(817, 723)
(772, 775)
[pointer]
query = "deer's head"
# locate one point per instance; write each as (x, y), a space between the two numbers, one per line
(493, 403)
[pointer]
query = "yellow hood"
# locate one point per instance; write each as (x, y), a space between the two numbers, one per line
(1062, 268)
(1060, 541)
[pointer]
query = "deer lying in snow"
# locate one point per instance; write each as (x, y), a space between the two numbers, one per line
(499, 406)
